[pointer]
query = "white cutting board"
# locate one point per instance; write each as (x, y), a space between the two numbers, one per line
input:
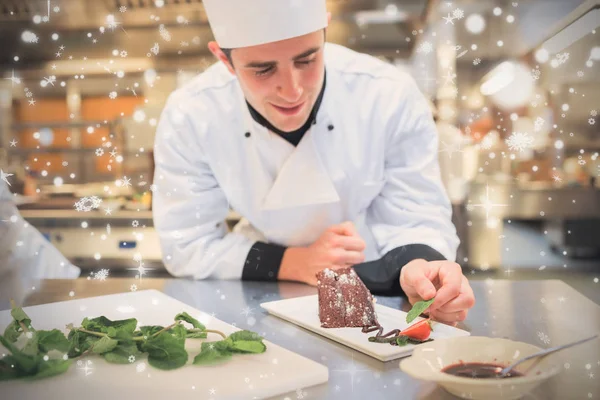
(304, 311)
(245, 376)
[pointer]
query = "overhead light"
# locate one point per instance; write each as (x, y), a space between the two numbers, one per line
(475, 24)
(387, 16)
(542, 55)
(509, 85)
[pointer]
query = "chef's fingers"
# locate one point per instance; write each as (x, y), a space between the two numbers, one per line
(342, 257)
(452, 317)
(347, 228)
(464, 301)
(450, 277)
(416, 280)
(352, 243)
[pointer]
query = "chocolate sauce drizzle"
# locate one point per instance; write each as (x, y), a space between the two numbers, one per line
(379, 337)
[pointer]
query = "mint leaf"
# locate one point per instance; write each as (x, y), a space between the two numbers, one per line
(179, 332)
(79, 342)
(165, 351)
(124, 327)
(189, 319)
(418, 309)
(25, 362)
(402, 340)
(52, 340)
(213, 353)
(196, 335)
(9, 368)
(149, 330)
(50, 368)
(19, 315)
(249, 346)
(31, 347)
(104, 345)
(121, 353)
(245, 335)
(12, 331)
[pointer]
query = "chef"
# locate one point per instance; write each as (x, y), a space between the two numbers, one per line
(329, 155)
(25, 255)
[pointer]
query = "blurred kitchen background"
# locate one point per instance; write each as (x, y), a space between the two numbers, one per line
(515, 87)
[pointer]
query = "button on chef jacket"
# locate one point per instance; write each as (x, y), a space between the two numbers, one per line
(370, 157)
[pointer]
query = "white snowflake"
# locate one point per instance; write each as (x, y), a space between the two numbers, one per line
(101, 275)
(86, 204)
(594, 113)
(131, 358)
(126, 181)
(99, 152)
(544, 338)
(486, 143)
(122, 9)
(536, 73)
(539, 122)
(519, 141)
(556, 178)
(133, 287)
(300, 394)
(141, 367)
(164, 33)
(591, 121)
(184, 44)
(29, 37)
(458, 13)
(580, 74)
(477, 61)
(112, 95)
(155, 49)
(123, 53)
(135, 223)
(425, 47)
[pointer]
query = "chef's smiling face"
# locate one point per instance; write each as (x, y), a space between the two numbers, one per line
(281, 80)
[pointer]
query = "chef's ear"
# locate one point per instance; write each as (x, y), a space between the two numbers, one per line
(216, 50)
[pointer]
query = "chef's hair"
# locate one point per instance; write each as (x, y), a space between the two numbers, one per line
(227, 52)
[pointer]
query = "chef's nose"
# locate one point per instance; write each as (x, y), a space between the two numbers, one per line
(289, 87)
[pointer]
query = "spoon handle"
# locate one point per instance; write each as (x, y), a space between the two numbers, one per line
(546, 352)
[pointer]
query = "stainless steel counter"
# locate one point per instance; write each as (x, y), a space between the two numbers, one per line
(543, 313)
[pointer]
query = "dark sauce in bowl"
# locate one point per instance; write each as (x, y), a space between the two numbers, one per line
(479, 370)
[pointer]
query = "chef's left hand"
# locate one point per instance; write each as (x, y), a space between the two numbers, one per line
(422, 280)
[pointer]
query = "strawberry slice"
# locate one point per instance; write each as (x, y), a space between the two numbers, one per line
(419, 331)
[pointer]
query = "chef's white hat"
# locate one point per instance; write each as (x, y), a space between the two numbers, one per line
(243, 23)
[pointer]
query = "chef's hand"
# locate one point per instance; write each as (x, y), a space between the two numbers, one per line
(422, 280)
(338, 247)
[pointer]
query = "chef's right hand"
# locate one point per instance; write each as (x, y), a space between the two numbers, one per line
(339, 246)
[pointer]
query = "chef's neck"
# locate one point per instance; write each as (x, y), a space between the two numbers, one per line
(300, 131)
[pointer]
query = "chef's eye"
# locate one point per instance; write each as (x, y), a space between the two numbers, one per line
(263, 72)
(306, 62)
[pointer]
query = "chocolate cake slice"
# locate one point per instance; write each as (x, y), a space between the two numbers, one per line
(344, 300)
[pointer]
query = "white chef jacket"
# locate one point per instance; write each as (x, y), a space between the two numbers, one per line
(370, 158)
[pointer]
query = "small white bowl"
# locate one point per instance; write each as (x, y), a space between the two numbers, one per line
(428, 360)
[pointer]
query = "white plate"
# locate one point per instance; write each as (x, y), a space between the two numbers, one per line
(304, 311)
(277, 371)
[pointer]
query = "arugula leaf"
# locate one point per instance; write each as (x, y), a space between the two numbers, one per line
(104, 345)
(165, 351)
(52, 340)
(183, 316)
(213, 353)
(121, 353)
(418, 309)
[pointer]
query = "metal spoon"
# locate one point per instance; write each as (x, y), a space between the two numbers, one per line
(542, 353)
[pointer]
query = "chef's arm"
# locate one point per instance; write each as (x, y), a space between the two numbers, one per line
(189, 206)
(411, 216)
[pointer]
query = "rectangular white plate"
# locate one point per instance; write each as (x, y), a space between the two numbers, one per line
(245, 376)
(304, 311)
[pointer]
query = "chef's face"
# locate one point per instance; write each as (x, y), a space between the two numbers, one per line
(281, 80)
